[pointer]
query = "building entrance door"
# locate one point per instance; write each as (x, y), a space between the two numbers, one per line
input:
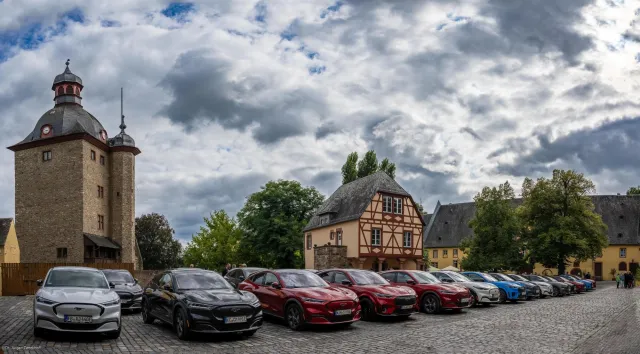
(598, 270)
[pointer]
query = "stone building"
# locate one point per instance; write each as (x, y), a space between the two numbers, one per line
(9, 248)
(74, 185)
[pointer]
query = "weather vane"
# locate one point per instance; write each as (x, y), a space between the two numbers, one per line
(67, 63)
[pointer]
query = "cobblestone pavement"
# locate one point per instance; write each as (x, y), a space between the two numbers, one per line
(603, 321)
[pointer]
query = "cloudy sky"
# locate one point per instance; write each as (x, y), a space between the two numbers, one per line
(222, 96)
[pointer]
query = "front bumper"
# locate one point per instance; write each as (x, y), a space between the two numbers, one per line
(325, 314)
(489, 296)
(546, 291)
(398, 306)
(516, 294)
(52, 317)
(213, 320)
(457, 301)
(129, 301)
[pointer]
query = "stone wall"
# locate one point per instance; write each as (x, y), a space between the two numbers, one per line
(144, 276)
(330, 256)
(122, 196)
(94, 175)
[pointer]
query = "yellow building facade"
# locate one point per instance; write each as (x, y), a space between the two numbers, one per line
(449, 225)
(9, 248)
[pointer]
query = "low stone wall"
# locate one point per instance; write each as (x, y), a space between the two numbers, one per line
(330, 256)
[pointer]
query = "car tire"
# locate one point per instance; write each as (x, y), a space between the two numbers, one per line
(555, 292)
(38, 332)
(114, 334)
(250, 333)
(180, 324)
(294, 318)
(146, 315)
(474, 299)
(503, 297)
(430, 304)
(368, 310)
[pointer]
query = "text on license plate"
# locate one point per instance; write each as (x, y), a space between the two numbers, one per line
(238, 319)
(406, 307)
(77, 319)
(342, 312)
(464, 301)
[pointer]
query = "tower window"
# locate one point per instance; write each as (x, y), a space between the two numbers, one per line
(46, 155)
(102, 160)
(100, 222)
(93, 155)
(100, 192)
(70, 89)
(60, 90)
(61, 252)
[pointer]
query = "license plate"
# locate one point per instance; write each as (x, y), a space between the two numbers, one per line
(464, 301)
(342, 312)
(77, 319)
(238, 319)
(406, 307)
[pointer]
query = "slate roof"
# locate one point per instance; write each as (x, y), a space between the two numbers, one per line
(101, 241)
(66, 76)
(351, 200)
(450, 223)
(5, 225)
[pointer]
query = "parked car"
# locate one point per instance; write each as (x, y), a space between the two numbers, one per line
(509, 290)
(127, 288)
(559, 288)
(482, 293)
(76, 299)
(578, 287)
(433, 295)
(588, 285)
(572, 287)
(195, 300)
(236, 276)
(377, 296)
(314, 271)
(592, 281)
(301, 298)
(545, 289)
(532, 291)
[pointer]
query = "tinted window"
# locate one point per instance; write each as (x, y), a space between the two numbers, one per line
(156, 279)
(441, 276)
(201, 281)
(234, 273)
(119, 277)
(249, 271)
(166, 279)
(403, 278)
(302, 279)
(327, 276)
(78, 278)
(473, 276)
(270, 279)
(363, 277)
(340, 277)
(390, 277)
(424, 278)
(258, 278)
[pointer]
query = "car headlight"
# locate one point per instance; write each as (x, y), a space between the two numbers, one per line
(384, 296)
(514, 286)
(312, 300)
(356, 299)
(111, 303)
(447, 292)
(45, 301)
(198, 306)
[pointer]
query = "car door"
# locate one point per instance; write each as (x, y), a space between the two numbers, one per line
(255, 285)
(151, 293)
(327, 276)
(390, 277)
(165, 300)
(273, 297)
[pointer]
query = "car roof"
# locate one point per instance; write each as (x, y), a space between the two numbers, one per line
(74, 268)
(114, 270)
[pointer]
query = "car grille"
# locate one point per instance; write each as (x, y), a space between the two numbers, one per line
(234, 310)
(78, 309)
(208, 326)
(79, 326)
(340, 305)
(405, 300)
(494, 292)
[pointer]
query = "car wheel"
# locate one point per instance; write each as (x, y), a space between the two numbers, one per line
(38, 332)
(555, 292)
(368, 311)
(294, 317)
(180, 324)
(474, 299)
(503, 297)
(430, 304)
(146, 316)
(250, 333)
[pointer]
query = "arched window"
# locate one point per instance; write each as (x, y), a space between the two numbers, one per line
(70, 89)
(60, 90)
(622, 266)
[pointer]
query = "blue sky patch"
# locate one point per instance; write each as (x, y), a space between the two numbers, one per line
(312, 55)
(178, 10)
(109, 23)
(317, 70)
(638, 58)
(261, 12)
(441, 26)
(333, 8)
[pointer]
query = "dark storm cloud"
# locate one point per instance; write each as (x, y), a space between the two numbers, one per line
(613, 145)
(590, 90)
(471, 132)
(327, 129)
(203, 91)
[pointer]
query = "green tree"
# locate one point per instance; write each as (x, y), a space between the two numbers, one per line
(216, 244)
(495, 244)
(558, 220)
(354, 169)
(158, 248)
(634, 191)
(273, 219)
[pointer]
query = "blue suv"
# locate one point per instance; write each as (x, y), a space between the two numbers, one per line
(509, 290)
(532, 291)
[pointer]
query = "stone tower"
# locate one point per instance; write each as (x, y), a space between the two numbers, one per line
(75, 186)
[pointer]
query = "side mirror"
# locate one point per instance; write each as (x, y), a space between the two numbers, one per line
(411, 282)
(112, 285)
(39, 282)
(479, 280)
(347, 283)
(136, 280)
(167, 287)
(276, 285)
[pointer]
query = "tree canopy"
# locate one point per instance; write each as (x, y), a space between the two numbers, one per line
(558, 220)
(495, 244)
(354, 169)
(633, 191)
(273, 219)
(158, 248)
(216, 244)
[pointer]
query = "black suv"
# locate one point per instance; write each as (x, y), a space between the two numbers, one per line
(197, 300)
(238, 275)
(126, 286)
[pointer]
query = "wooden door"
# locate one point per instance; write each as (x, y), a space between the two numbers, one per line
(598, 270)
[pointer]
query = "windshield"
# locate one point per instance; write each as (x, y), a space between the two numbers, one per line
(537, 278)
(119, 277)
(77, 278)
(458, 277)
(517, 277)
(200, 281)
(501, 277)
(488, 277)
(363, 277)
(571, 277)
(425, 278)
(549, 278)
(302, 280)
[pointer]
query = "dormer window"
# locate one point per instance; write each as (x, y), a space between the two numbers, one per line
(387, 204)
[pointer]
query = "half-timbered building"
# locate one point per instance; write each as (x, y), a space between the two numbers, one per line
(375, 219)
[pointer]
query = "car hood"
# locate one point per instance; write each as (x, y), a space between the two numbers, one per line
(482, 286)
(78, 295)
(541, 283)
(505, 283)
(395, 290)
(216, 296)
(128, 287)
(327, 294)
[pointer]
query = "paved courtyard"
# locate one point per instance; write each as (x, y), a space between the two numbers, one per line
(604, 321)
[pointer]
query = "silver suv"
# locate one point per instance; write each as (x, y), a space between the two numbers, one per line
(76, 299)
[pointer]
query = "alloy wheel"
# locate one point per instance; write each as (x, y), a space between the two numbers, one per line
(503, 297)
(430, 304)
(293, 317)
(555, 291)
(179, 324)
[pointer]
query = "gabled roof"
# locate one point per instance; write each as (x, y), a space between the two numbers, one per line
(450, 223)
(351, 200)
(5, 225)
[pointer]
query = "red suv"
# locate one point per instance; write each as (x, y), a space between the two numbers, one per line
(433, 294)
(377, 296)
(301, 297)
(579, 287)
